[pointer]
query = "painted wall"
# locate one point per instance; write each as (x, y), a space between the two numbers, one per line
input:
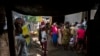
(76, 17)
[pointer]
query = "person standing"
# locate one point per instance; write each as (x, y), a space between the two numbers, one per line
(44, 40)
(65, 36)
(20, 43)
(59, 36)
(40, 34)
(54, 31)
(73, 36)
(80, 38)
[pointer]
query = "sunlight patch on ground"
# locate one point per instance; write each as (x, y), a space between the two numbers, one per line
(38, 54)
(38, 42)
(36, 39)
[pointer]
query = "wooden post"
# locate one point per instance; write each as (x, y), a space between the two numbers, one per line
(87, 30)
(89, 15)
(10, 30)
(83, 16)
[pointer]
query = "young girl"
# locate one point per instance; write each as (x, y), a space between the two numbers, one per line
(80, 37)
(54, 31)
(73, 36)
(44, 40)
(59, 36)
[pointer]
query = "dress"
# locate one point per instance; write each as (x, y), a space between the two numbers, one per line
(65, 36)
(59, 36)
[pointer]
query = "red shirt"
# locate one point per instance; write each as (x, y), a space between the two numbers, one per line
(54, 29)
(80, 33)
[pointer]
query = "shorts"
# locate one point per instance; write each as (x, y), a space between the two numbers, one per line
(80, 41)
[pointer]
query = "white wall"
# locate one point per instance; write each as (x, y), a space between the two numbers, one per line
(93, 12)
(74, 17)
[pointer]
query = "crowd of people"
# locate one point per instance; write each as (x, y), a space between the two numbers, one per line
(67, 35)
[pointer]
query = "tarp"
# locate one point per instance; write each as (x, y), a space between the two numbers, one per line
(39, 18)
(32, 18)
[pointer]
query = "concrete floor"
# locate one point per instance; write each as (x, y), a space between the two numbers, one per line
(35, 49)
(4, 47)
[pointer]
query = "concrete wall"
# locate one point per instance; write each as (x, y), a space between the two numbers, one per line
(76, 17)
(93, 14)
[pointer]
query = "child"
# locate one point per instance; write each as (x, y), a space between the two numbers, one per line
(80, 38)
(71, 43)
(44, 40)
